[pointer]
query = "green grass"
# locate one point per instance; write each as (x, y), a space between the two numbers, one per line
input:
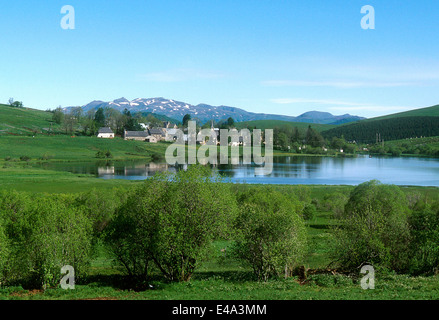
(388, 287)
(29, 179)
(422, 112)
(66, 148)
(24, 121)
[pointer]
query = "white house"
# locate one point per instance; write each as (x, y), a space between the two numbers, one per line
(171, 135)
(106, 133)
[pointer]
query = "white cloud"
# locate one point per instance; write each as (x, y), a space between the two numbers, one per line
(342, 106)
(337, 84)
(313, 101)
(380, 109)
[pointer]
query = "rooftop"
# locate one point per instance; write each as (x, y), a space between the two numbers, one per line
(105, 130)
(136, 134)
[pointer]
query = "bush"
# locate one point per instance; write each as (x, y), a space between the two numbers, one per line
(4, 252)
(25, 158)
(171, 221)
(45, 157)
(100, 206)
(45, 234)
(309, 211)
(104, 154)
(157, 157)
(270, 234)
(374, 228)
(424, 229)
(329, 280)
(335, 202)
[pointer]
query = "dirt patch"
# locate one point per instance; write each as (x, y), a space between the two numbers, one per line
(22, 294)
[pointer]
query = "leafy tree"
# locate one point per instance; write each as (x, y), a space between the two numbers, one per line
(111, 117)
(46, 233)
(186, 119)
(171, 221)
(58, 115)
(338, 143)
(313, 138)
(15, 104)
(70, 122)
(424, 248)
(374, 228)
(88, 123)
(4, 251)
(131, 123)
(100, 206)
(99, 117)
(270, 233)
(153, 121)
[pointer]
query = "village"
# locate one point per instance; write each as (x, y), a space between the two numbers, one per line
(168, 132)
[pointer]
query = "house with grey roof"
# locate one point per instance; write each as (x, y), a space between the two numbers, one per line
(105, 132)
(135, 135)
(158, 133)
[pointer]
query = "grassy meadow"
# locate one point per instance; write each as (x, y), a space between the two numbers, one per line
(25, 121)
(75, 148)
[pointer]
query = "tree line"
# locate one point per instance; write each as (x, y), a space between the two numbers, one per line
(386, 129)
(309, 141)
(90, 122)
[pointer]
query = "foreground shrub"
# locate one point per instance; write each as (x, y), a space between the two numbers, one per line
(100, 206)
(270, 233)
(373, 228)
(424, 248)
(45, 235)
(335, 202)
(171, 221)
(4, 252)
(309, 211)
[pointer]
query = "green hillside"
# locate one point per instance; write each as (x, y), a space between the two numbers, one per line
(271, 124)
(161, 117)
(24, 121)
(423, 112)
(411, 124)
(387, 129)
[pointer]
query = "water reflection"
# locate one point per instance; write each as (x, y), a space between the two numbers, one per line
(286, 170)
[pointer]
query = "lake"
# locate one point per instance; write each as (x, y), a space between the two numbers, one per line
(286, 170)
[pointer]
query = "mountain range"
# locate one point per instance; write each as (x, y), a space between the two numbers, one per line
(204, 112)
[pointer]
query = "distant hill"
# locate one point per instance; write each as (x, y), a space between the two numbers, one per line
(204, 112)
(162, 117)
(411, 124)
(422, 112)
(326, 118)
(24, 120)
(271, 124)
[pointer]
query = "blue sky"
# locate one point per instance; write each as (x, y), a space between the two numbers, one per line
(278, 56)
